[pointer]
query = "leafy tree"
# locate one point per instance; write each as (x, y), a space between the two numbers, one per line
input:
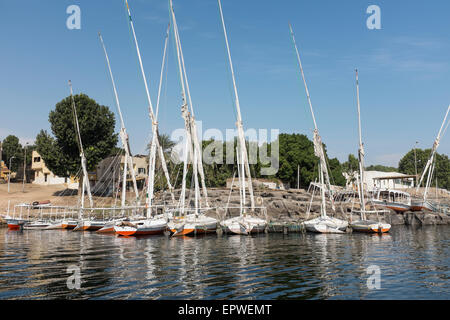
(351, 165)
(166, 143)
(442, 169)
(336, 175)
(296, 150)
(61, 152)
(12, 148)
(381, 168)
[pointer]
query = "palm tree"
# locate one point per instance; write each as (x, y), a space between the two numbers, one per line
(165, 142)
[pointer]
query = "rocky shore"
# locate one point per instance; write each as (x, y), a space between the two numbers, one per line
(283, 207)
(290, 206)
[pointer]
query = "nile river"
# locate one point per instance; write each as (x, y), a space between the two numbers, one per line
(414, 263)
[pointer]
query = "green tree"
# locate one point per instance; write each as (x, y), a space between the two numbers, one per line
(61, 152)
(296, 150)
(351, 165)
(442, 169)
(381, 168)
(12, 148)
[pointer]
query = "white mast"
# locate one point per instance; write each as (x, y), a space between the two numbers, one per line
(152, 117)
(123, 133)
(154, 143)
(85, 185)
(192, 143)
(360, 156)
(318, 147)
(197, 153)
(430, 160)
(185, 114)
(239, 118)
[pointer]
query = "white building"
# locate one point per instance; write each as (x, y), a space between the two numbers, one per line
(42, 175)
(381, 180)
(388, 180)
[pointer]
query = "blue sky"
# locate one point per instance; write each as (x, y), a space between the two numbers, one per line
(403, 68)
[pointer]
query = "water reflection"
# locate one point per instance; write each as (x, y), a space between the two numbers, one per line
(414, 263)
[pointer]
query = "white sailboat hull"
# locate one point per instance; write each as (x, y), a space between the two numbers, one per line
(90, 225)
(244, 225)
(141, 227)
(370, 226)
(192, 225)
(36, 225)
(326, 225)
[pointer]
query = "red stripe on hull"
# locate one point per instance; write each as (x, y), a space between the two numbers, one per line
(13, 227)
(192, 231)
(68, 226)
(126, 233)
(398, 209)
(182, 233)
(91, 228)
(142, 233)
(372, 230)
(419, 208)
(108, 230)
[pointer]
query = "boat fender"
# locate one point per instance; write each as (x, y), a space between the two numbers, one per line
(259, 200)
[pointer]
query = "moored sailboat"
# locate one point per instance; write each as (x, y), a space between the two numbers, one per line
(197, 222)
(324, 223)
(246, 222)
(150, 225)
(423, 204)
(364, 225)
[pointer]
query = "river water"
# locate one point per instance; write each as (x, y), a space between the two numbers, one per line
(413, 263)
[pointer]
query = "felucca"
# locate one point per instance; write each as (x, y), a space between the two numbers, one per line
(246, 222)
(109, 226)
(324, 223)
(424, 204)
(150, 225)
(364, 225)
(195, 222)
(83, 224)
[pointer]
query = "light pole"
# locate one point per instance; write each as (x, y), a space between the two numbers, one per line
(9, 176)
(415, 159)
(24, 167)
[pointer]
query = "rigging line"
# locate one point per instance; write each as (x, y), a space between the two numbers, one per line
(162, 70)
(446, 126)
(104, 179)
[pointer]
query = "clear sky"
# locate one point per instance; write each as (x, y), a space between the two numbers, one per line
(403, 68)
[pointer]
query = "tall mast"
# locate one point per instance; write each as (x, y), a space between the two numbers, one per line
(192, 143)
(430, 160)
(184, 112)
(318, 147)
(86, 186)
(123, 132)
(197, 155)
(150, 111)
(360, 155)
(155, 141)
(239, 117)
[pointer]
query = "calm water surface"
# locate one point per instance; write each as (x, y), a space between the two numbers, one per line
(414, 264)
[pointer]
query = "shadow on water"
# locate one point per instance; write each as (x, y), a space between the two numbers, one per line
(413, 263)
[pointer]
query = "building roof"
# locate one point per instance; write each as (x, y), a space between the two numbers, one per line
(403, 176)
